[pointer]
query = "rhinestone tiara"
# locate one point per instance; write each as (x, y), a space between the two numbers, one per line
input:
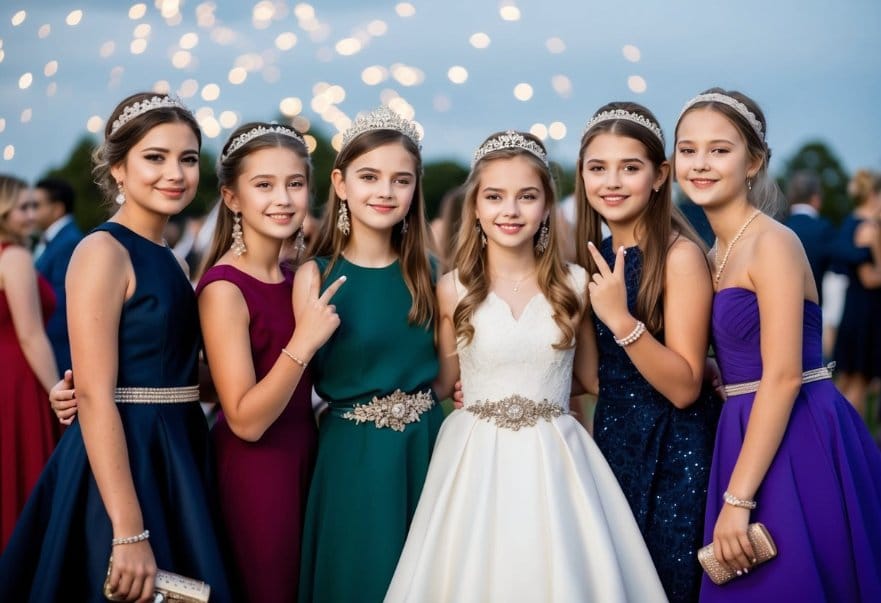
(246, 137)
(382, 118)
(139, 108)
(509, 140)
(716, 97)
(636, 118)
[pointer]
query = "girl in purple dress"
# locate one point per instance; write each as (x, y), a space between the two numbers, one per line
(790, 451)
(266, 437)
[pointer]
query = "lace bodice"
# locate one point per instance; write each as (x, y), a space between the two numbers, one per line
(516, 356)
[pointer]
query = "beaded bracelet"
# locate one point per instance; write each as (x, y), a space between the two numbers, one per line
(131, 539)
(738, 502)
(635, 334)
(294, 358)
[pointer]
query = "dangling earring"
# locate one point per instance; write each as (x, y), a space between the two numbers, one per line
(342, 220)
(749, 184)
(481, 233)
(120, 196)
(544, 237)
(300, 241)
(238, 242)
(404, 226)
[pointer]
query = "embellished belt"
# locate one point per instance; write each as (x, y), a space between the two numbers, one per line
(396, 411)
(516, 411)
(748, 387)
(156, 395)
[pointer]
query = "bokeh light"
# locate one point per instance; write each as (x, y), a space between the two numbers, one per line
(557, 130)
(540, 131)
(457, 74)
(479, 40)
(405, 9)
(637, 84)
(523, 91)
(18, 18)
(137, 11)
(8, 152)
(74, 17)
(631, 53)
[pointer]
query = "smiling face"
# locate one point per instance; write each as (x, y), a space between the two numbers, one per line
(378, 187)
(20, 221)
(511, 202)
(160, 172)
(712, 161)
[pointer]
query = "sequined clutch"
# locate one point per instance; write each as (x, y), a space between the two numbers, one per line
(168, 587)
(763, 546)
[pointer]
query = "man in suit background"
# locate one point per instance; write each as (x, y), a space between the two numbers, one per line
(60, 235)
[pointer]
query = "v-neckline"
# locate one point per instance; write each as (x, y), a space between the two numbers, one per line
(511, 310)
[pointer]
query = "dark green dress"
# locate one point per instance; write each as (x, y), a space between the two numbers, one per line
(367, 479)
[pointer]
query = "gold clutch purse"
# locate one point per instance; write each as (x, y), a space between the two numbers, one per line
(168, 587)
(763, 546)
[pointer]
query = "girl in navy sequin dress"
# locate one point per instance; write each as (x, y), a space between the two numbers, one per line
(133, 474)
(651, 296)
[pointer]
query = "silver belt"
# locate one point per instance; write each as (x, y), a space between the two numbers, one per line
(515, 411)
(748, 387)
(395, 411)
(156, 395)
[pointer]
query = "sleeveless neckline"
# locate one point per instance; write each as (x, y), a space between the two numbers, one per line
(283, 281)
(137, 234)
(369, 268)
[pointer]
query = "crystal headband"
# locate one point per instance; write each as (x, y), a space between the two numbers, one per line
(510, 140)
(636, 118)
(141, 107)
(715, 97)
(242, 139)
(382, 118)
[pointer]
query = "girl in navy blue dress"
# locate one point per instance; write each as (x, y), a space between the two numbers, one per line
(133, 475)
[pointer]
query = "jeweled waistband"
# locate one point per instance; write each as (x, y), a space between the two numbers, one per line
(395, 411)
(749, 387)
(156, 395)
(515, 411)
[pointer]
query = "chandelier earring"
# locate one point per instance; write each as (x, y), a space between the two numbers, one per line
(120, 196)
(544, 236)
(342, 220)
(749, 184)
(238, 241)
(300, 241)
(481, 233)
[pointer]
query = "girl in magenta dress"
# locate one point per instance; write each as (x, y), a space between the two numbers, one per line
(790, 451)
(266, 437)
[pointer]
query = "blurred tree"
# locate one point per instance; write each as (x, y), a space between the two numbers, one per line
(817, 157)
(440, 177)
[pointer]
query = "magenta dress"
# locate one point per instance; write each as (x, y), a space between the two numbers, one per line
(263, 485)
(821, 496)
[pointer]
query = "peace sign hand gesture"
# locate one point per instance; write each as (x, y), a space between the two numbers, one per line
(608, 292)
(317, 318)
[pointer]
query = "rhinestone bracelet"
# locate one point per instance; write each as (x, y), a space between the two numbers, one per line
(131, 539)
(738, 502)
(635, 334)
(294, 358)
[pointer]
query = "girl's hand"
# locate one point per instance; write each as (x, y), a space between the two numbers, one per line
(62, 397)
(608, 293)
(132, 572)
(458, 396)
(318, 320)
(713, 376)
(731, 545)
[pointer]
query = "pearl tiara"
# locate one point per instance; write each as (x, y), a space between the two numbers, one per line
(636, 118)
(246, 137)
(510, 140)
(743, 110)
(139, 108)
(382, 118)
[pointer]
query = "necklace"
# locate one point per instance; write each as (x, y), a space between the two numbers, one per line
(516, 287)
(728, 249)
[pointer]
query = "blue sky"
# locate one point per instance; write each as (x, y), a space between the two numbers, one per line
(814, 67)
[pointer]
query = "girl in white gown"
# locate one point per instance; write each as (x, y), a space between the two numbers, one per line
(518, 504)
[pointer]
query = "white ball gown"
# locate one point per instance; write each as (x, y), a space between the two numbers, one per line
(528, 514)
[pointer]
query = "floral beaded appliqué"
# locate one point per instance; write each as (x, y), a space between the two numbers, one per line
(395, 411)
(515, 412)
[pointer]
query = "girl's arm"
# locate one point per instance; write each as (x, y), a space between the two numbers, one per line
(251, 406)
(868, 234)
(22, 294)
(99, 279)
(780, 291)
(586, 365)
(446, 337)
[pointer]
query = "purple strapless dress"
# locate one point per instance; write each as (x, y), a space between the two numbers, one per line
(821, 497)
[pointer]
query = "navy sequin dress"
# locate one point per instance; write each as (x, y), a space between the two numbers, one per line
(61, 545)
(661, 455)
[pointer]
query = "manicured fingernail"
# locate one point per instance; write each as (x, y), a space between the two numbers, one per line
(590, 244)
(739, 573)
(746, 570)
(755, 560)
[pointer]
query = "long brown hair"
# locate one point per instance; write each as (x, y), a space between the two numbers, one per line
(229, 168)
(410, 247)
(551, 272)
(658, 226)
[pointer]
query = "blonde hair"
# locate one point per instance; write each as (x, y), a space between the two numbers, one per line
(863, 185)
(10, 190)
(551, 271)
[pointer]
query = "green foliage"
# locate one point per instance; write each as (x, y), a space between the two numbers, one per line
(440, 177)
(817, 157)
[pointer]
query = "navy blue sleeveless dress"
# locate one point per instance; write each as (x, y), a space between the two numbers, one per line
(61, 545)
(660, 454)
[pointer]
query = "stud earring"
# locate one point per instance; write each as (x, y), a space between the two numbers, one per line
(120, 196)
(300, 241)
(342, 220)
(544, 237)
(238, 241)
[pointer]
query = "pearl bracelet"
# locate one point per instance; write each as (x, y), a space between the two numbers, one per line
(738, 502)
(635, 334)
(131, 539)
(294, 358)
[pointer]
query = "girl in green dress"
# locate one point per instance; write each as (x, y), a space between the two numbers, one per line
(377, 370)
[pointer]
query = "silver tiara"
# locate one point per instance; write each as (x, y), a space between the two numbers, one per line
(636, 118)
(382, 118)
(256, 132)
(141, 107)
(509, 140)
(715, 97)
